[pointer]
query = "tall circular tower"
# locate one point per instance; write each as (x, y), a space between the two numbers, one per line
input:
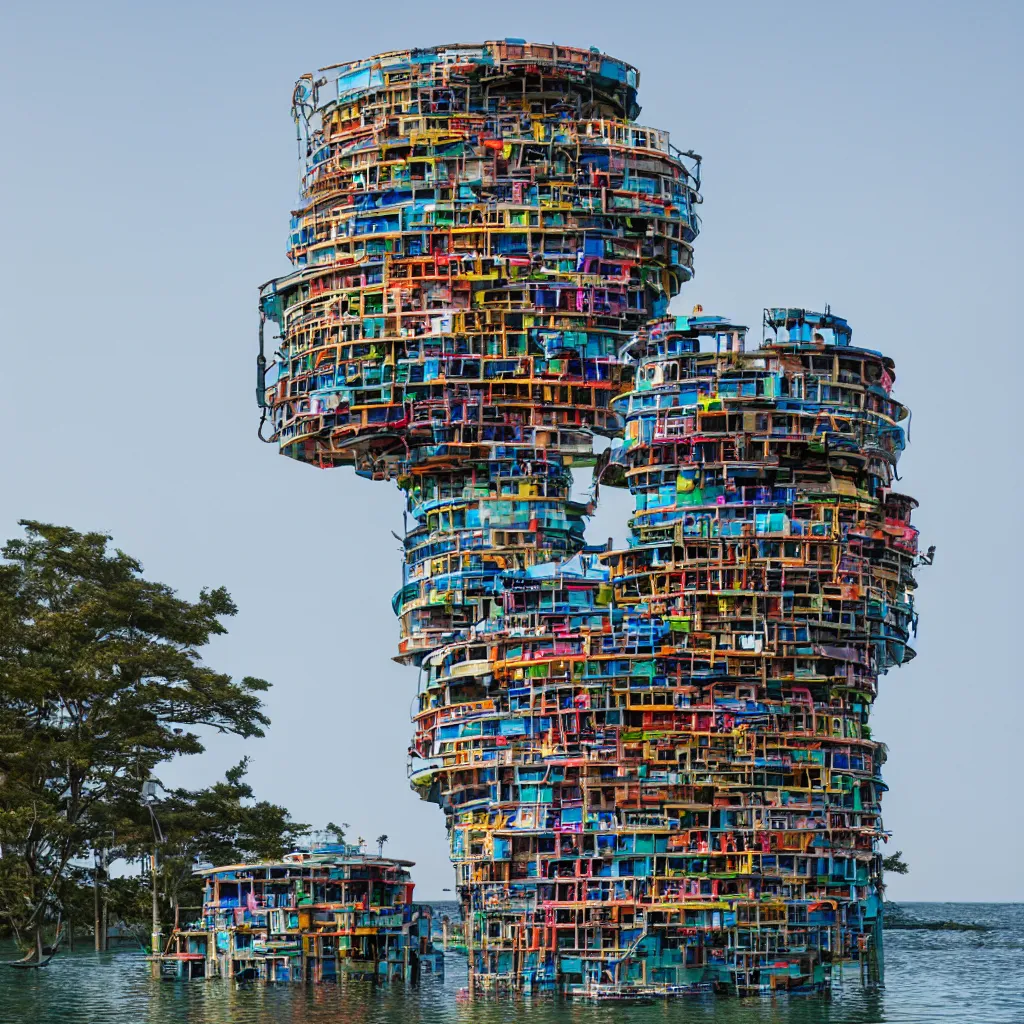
(767, 586)
(655, 764)
(482, 229)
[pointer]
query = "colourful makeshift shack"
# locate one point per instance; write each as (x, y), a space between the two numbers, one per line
(315, 915)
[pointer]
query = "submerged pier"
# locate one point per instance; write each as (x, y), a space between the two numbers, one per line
(655, 763)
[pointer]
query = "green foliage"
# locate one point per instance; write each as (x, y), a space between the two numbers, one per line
(895, 864)
(222, 824)
(129, 900)
(226, 824)
(101, 681)
(337, 832)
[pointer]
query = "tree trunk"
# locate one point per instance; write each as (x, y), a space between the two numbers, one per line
(155, 878)
(96, 902)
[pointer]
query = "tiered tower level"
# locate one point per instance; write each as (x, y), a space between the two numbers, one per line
(655, 763)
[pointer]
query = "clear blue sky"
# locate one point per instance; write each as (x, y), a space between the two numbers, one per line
(856, 154)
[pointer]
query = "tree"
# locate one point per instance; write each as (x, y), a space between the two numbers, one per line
(101, 681)
(381, 840)
(337, 832)
(222, 824)
(895, 864)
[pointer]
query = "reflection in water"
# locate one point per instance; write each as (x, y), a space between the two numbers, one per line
(965, 977)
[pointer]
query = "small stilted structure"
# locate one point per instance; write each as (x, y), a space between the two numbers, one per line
(316, 915)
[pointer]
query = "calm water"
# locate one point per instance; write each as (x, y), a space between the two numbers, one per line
(965, 977)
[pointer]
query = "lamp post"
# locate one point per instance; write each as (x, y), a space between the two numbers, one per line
(149, 789)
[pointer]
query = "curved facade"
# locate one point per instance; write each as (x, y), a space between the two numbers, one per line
(770, 580)
(654, 764)
(482, 228)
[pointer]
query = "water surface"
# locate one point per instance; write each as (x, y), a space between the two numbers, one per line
(966, 977)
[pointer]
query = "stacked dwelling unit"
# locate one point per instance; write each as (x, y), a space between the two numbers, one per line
(485, 232)
(315, 915)
(769, 583)
(482, 228)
